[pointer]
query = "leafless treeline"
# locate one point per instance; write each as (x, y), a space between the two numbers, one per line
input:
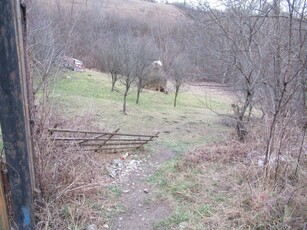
(123, 48)
(256, 48)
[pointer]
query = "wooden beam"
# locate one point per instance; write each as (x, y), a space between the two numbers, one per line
(92, 138)
(106, 149)
(107, 144)
(97, 132)
(96, 140)
(14, 116)
(4, 220)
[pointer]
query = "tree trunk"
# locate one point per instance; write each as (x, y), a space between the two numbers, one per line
(138, 96)
(114, 79)
(125, 101)
(175, 100)
(240, 129)
(277, 54)
(305, 102)
(113, 85)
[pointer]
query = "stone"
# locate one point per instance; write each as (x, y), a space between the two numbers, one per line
(117, 163)
(126, 191)
(111, 171)
(92, 227)
(145, 190)
(184, 226)
(105, 226)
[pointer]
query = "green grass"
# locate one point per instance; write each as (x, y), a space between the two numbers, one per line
(178, 216)
(195, 195)
(182, 129)
(188, 125)
(115, 190)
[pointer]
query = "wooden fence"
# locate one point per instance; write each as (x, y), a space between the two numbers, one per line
(108, 142)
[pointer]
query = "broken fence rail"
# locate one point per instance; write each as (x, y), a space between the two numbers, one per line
(100, 141)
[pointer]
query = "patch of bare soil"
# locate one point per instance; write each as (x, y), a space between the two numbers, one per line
(140, 211)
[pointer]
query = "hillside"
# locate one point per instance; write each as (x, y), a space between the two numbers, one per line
(145, 11)
(142, 11)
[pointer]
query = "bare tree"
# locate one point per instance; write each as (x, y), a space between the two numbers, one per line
(132, 63)
(167, 39)
(146, 55)
(238, 28)
(178, 72)
(111, 59)
(49, 33)
(285, 102)
(263, 47)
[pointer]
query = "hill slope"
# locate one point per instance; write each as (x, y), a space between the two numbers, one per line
(139, 10)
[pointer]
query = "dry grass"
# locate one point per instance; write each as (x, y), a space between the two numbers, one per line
(75, 191)
(221, 186)
(260, 200)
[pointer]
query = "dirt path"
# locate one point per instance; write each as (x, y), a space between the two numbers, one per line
(140, 212)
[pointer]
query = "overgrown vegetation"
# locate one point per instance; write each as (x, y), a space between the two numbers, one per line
(223, 186)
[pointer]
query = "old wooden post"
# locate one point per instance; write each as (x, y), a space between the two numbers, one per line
(14, 113)
(4, 220)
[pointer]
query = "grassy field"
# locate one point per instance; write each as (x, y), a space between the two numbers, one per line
(186, 126)
(206, 183)
(182, 129)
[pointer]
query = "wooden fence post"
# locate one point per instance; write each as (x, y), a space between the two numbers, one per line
(14, 115)
(4, 220)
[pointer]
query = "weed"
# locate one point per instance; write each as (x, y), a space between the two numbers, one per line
(115, 190)
(205, 210)
(178, 216)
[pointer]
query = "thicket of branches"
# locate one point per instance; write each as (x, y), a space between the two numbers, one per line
(257, 50)
(260, 50)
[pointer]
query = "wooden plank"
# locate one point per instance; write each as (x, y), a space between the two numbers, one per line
(107, 144)
(106, 149)
(97, 132)
(95, 137)
(98, 139)
(151, 139)
(109, 138)
(25, 76)
(4, 220)
(14, 116)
